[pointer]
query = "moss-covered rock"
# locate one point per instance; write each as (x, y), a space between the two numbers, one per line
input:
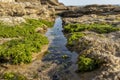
(98, 28)
(13, 76)
(27, 41)
(86, 64)
(99, 53)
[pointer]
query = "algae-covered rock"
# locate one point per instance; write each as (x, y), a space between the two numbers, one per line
(100, 52)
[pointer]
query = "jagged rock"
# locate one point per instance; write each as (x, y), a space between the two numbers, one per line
(50, 2)
(24, 9)
(105, 48)
(94, 18)
(8, 9)
(59, 7)
(37, 9)
(91, 9)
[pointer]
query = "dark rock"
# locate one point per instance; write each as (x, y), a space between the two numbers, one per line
(55, 77)
(91, 9)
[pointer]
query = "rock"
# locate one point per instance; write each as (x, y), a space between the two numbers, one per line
(106, 49)
(11, 9)
(91, 9)
(51, 2)
(7, 0)
(94, 18)
(40, 30)
(25, 9)
(27, 0)
(55, 77)
(12, 20)
(59, 7)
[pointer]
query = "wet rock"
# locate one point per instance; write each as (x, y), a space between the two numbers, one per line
(57, 62)
(67, 71)
(55, 77)
(65, 56)
(105, 49)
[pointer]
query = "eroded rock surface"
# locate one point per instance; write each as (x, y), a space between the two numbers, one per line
(91, 9)
(16, 11)
(92, 14)
(105, 47)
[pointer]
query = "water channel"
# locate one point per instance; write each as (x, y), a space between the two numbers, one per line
(59, 54)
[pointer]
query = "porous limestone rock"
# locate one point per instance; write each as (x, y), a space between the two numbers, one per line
(7, 0)
(105, 48)
(24, 9)
(12, 20)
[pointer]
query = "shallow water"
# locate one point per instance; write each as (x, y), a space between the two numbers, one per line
(57, 51)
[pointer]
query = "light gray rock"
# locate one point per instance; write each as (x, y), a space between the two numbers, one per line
(104, 48)
(7, 0)
(12, 20)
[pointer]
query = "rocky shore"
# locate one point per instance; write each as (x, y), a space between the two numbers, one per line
(23, 23)
(92, 31)
(16, 11)
(93, 45)
(91, 9)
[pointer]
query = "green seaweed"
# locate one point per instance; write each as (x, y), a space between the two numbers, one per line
(98, 28)
(28, 41)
